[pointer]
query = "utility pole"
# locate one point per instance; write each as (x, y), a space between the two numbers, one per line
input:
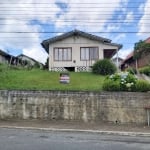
(117, 61)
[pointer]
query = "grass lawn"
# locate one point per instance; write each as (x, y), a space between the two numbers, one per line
(45, 80)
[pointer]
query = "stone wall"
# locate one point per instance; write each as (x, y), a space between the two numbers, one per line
(123, 107)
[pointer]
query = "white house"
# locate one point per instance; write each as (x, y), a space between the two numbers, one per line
(77, 50)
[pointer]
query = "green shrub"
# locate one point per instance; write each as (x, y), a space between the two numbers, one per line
(131, 70)
(3, 67)
(142, 86)
(145, 70)
(36, 65)
(123, 81)
(110, 85)
(128, 82)
(104, 67)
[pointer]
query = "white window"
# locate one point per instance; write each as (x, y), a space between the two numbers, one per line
(62, 54)
(89, 53)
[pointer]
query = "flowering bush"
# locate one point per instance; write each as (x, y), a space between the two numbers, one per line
(125, 80)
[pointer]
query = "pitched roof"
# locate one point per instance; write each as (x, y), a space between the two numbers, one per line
(22, 55)
(129, 56)
(147, 40)
(4, 53)
(46, 43)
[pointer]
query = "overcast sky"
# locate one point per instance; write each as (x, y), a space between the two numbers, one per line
(24, 24)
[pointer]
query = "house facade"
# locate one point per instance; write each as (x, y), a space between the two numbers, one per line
(4, 57)
(26, 59)
(117, 61)
(130, 62)
(77, 51)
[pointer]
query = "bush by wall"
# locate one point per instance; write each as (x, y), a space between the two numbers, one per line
(125, 82)
(131, 70)
(142, 86)
(145, 70)
(104, 67)
(111, 86)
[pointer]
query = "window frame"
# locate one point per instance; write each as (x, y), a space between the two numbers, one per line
(63, 49)
(81, 59)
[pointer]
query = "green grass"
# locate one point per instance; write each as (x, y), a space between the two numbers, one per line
(45, 80)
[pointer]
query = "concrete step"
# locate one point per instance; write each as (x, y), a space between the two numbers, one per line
(143, 77)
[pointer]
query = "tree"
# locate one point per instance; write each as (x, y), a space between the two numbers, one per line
(141, 48)
(46, 64)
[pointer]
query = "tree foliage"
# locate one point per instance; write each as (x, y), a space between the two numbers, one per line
(141, 48)
(46, 64)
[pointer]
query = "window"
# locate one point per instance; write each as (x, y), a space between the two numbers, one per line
(89, 53)
(62, 54)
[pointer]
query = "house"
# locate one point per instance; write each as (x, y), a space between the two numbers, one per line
(26, 59)
(6, 58)
(117, 61)
(130, 62)
(77, 50)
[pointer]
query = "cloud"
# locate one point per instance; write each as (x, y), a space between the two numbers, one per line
(36, 52)
(141, 8)
(129, 17)
(87, 15)
(119, 37)
(57, 15)
(124, 52)
(144, 21)
(21, 16)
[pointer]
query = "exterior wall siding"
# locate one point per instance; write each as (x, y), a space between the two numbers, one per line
(144, 61)
(3, 59)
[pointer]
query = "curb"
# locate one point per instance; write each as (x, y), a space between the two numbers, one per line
(142, 134)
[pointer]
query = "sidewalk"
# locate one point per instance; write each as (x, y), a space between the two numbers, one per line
(75, 126)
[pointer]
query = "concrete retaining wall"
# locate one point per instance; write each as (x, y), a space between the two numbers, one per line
(123, 107)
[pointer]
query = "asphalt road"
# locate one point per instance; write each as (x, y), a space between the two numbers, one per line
(19, 139)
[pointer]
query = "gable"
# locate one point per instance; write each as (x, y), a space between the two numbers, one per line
(75, 40)
(76, 34)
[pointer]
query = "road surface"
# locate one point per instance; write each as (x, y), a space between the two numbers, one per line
(20, 139)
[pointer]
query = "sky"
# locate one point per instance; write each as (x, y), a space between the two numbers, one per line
(25, 24)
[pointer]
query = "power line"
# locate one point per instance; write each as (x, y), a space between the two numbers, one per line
(130, 32)
(70, 3)
(71, 20)
(85, 24)
(70, 14)
(89, 7)
(93, 23)
(57, 12)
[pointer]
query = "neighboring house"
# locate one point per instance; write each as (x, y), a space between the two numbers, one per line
(130, 62)
(6, 58)
(77, 50)
(26, 59)
(117, 61)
